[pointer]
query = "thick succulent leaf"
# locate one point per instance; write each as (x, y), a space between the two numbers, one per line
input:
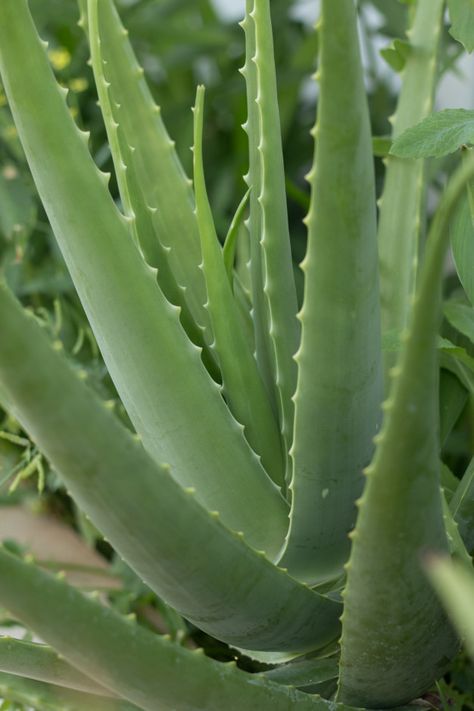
(306, 672)
(403, 196)
(462, 240)
(254, 223)
(40, 662)
(41, 696)
(157, 370)
(182, 551)
(436, 136)
(462, 507)
(338, 398)
(147, 669)
(152, 181)
(278, 280)
(461, 13)
(396, 640)
(243, 386)
(230, 242)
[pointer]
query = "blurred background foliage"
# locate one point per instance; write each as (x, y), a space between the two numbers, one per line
(181, 43)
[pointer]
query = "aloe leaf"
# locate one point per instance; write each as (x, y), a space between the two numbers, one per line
(454, 583)
(157, 370)
(40, 662)
(230, 242)
(278, 280)
(146, 515)
(461, 13)
(41, 696)
(462, 507)
(462, 236)
(153, 182)
(306, 672)
(396, 640)
(338, 397)
(402, 199)
(438, 135)
(243, 386)
(147, 669)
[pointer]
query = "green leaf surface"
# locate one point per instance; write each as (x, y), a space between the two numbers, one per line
(452, 400)
(230, 242)
(461, 317)
(184, 553)
(337, 402)
(154, 188)
(462, 507)
(40, 662)
(145, 668)
(396, 640)
(396, 54)
(438, 135)
(462, 242)
(157, 370)
(461, 13)
(454, 583)
(306, 672)
(243, 386)
(402, 201)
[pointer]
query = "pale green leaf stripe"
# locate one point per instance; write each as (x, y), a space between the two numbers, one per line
(163, 194)
(339, 390)
(157, 370)
(437, 135)
(40, 662)
(454, 583)
(147, 669)
(254, 182)
(243, 386)
(278, 280)
(207, 573)
(402, 200)
(396, 640)
(47, 697)
(462, 18)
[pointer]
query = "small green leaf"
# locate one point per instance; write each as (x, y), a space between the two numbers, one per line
(438, 135)
(462, 22)
(461, 317)
(396, 54)
(462, 244)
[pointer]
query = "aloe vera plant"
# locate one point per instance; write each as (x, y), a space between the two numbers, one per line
(274, 490)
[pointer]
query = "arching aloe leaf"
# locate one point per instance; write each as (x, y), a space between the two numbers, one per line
(146, 515)
(395, 638)
(154, 184)
(402, 200)
(147, 669)
(230, 243)
(157, 370)
(339, 391)
(278, 280)
(454, 583)
(243, 386)
(40, 662)
(48, 697)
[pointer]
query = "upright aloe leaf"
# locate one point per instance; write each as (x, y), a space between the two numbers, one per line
(337, 401)
(157, 370)
(402, 199)
(154, 188)
(270, 227)
(183, 552)
(147, 669)
(396, 640)
(243, 385)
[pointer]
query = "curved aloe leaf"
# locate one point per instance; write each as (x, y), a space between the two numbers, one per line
(243, 386)
(182, 551)
(402, 199)
(337, 401)
(152, 182)
(147, 669)
(396, 640)
(157, 370)
(47, 697)
(40, 662)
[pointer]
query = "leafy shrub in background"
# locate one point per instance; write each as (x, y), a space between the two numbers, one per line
(240, 498)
